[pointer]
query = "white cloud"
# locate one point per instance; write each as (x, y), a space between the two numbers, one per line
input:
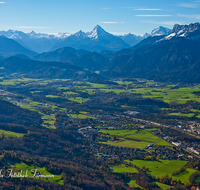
(153, 15)
(2, 2)
(31, 27)
(141, 9)
(112, 22)
(170, 23)
(189, 5)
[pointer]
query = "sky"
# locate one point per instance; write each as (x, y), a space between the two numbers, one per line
(115, 16)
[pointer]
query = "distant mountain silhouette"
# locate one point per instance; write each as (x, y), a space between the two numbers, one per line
(39, 69)
(82, 58)
(9, 47)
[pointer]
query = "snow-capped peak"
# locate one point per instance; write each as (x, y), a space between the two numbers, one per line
(81, 34)
(96, 32)
(191, 31)
(14, 34)
(161, 31)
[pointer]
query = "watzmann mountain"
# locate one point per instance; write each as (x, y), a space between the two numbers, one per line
(96, 40)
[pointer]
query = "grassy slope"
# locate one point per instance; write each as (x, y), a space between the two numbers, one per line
(123, 169)
(11, 134)
(136, 137)
(165, 167)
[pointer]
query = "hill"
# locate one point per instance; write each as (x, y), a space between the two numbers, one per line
(9, 47)
(38, 69)
(81, 58)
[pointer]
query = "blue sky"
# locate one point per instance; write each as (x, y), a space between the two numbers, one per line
(115, 16)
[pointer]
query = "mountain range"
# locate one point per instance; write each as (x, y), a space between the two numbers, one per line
(174, 57)
(96, 40)
(165, 55)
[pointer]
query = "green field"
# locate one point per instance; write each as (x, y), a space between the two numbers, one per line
(163, 186)
(35, 92)
(30, 106)
(52, 96)
(11, 134)
(115, 90)
(69, 93)
(184, 176)
(48, 117)
(133, 183)
(123, 169)
(28, 81)
(79, 99)
(168, 95)
(22, 166)
(133, 138)
(182, 114)
(152, 129)
(80, 116)
(127, 143)
(50, 122)
(165, 167)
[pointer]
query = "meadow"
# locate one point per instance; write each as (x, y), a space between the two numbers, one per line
(123, 169)
(165, 167)
(168, 94)
(11, 134)
(182, 114)
(159, 168)
(134, 138)
(80, 116)
(163, 186)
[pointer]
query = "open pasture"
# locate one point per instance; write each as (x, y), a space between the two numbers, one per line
(165, 167)
(140, 137)
(163, 186)
(11, 134)
(127, 143)
(182, 114)
(78, 99)
(80, 116)
(123, 169)
(29, 81)
(133, 183)
(168, 95)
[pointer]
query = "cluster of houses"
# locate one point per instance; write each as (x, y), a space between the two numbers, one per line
(191, 128)
(191, 147)
(104, 151)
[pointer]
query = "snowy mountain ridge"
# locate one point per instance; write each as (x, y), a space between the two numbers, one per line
(191, 31)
